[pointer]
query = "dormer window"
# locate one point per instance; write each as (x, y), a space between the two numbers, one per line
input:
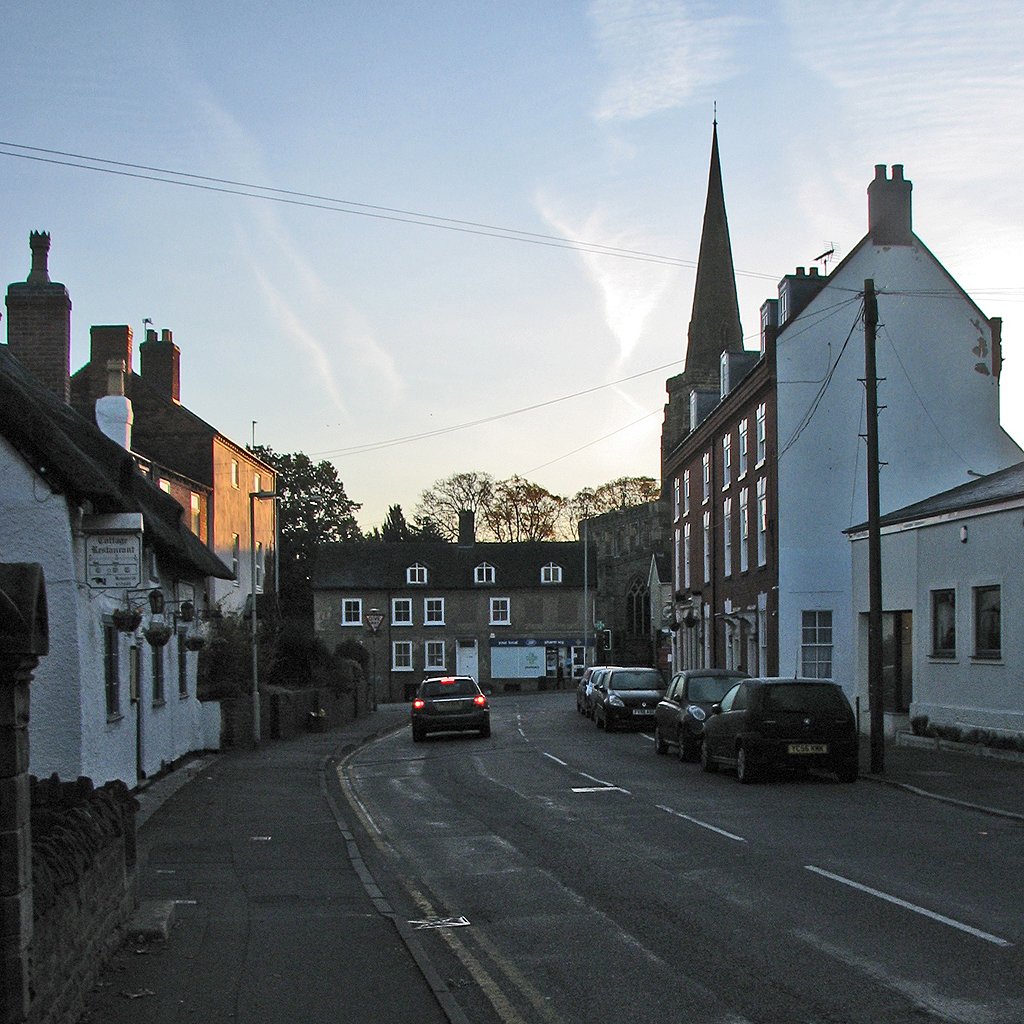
(483, 573)
(551, 573)
(416, 574)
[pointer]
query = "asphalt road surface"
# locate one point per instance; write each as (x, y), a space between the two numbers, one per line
(558, 874)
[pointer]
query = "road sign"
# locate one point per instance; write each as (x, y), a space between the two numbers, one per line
(113, 560)
(373, 620)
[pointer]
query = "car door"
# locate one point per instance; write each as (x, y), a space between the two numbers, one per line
(667, 712)
(720, 731)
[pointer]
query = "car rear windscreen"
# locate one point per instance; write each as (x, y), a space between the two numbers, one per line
(819, 698)
(456, 688)
(638, 679)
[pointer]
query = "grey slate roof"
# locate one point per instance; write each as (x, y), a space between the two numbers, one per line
(1004, 485)
(76, 458)
(381, 565)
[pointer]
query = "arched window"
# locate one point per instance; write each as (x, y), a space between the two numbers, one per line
(638, 609)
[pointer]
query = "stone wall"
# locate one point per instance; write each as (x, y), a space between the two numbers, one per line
(84, 890)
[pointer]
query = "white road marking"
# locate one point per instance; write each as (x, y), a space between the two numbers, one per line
(440, 922)
(702, 824)
(557, 760)
(600, 789)
(600, 782)
(942, 919)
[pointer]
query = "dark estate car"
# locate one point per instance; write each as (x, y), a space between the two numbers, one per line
(584, 689)
(626, 697)
(679, 717)
(793, 723)
(449, 704)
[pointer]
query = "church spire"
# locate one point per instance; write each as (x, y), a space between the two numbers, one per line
(715, 320)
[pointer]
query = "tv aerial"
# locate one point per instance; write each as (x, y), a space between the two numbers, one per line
(831, 253)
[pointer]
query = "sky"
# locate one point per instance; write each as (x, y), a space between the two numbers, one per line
(402, 294)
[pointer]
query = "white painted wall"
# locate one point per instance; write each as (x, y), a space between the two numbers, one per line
(967, 691)
(69, 730)
(941, 420)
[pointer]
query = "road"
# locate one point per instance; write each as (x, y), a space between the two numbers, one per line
(562, 875)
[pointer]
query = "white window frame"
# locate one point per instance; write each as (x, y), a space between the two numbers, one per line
(236, 552)
(403, 603)
(816, 643)
(762, 435)
(195, 510)
(234, 474)
(551, 573)
(686, 556)
(741, 468)
(401, 655)
(727, 537)
(497, 618)
(744, 530)
(762, 521)
(433, 663)
(675, 499)
(259, 567)
(352, 611)
(726, 460)
(686, 492)
(707, 547)
(483, 573)
(416, 575)
(433, 607)
(706, 477)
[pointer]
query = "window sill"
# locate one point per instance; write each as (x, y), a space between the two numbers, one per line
(401, 668)
(113, 719)
(943, 657)
(988, 659)
(183, 696)
(429, 624)
(159, 703)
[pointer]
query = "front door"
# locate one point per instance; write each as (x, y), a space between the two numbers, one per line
(897, 661)
(466, 661)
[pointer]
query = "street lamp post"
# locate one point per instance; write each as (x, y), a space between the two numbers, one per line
(255, 496)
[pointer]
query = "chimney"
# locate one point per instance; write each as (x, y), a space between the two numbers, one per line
(111, 342)
(889, 214)
(467, 528)
(113, 411)
(161, 365)
(39, 323)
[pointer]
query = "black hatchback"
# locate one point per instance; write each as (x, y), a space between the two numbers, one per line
(626, 697)
(792, 723)
(449, 704)
(680, 717)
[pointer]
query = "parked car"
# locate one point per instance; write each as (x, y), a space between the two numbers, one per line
(449, 704)
(679, 716)
(627, 697)
(583, 689)
(793, 723)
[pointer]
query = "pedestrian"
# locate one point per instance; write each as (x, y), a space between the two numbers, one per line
(560, 676)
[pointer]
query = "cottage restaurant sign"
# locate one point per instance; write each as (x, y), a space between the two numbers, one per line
(113, 550)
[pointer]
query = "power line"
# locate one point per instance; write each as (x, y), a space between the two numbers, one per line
(373, 446)
(292, 197)
(597, 440)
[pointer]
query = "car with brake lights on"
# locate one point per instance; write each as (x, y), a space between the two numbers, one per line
(680, 715)
(450, 704)
(761, 724)
(626, 697)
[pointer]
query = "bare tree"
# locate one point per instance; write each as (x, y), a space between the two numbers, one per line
(440, 504)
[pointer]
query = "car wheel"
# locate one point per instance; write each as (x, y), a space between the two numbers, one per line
(597, 718)
(418, 734)
(485, 731)
(687, 751)
(848, 772)
(660, 746)
(707, 762)
(744, 770)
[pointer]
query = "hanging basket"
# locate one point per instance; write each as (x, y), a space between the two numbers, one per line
(194, 643)
(126, 620)
(157, 636)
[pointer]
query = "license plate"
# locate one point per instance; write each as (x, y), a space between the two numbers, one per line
(808, 748)
(643, 711)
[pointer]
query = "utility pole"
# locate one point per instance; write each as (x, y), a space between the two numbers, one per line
(874, 536)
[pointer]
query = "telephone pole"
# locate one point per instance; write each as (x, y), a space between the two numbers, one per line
(874, 537)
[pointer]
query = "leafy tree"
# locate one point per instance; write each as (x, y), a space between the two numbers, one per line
(520, 510)
(440, 504)
(313, 509)
(624, 492)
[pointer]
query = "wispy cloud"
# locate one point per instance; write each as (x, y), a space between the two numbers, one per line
(630, 289)
(661, 52)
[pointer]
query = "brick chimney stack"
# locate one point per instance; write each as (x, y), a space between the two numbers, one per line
(467, 528)
(161, 362)
(110, 342)
(39, 323)
(889, 213)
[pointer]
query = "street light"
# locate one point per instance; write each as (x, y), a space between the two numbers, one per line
(255, 496)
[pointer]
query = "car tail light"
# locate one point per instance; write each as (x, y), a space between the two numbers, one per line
(419, 703)
(480, 700)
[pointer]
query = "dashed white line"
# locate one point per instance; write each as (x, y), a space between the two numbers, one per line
(557, 760)
(941, 918)
(702, 824)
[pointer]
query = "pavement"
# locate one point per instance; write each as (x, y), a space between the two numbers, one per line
(257, 907)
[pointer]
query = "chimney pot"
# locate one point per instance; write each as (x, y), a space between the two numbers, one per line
(39, 242)
(165, 335)
(890, 219)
